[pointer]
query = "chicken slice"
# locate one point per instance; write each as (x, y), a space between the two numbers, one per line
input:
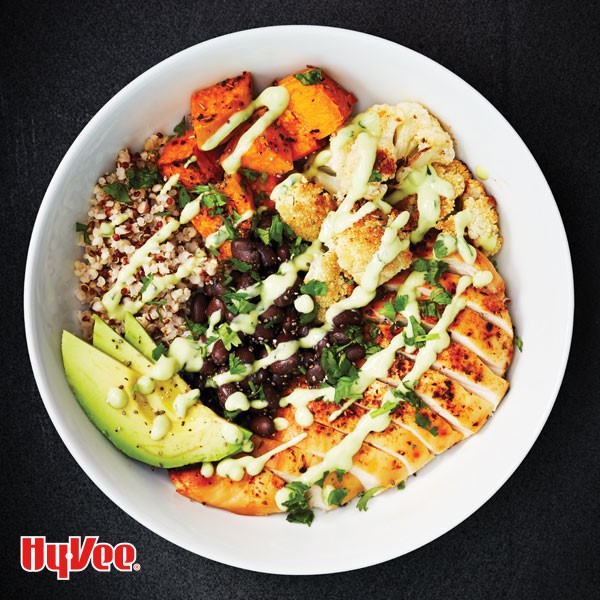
(464, 410)
(405, 416)
(371, 466)
(395, 440)
(253, 496)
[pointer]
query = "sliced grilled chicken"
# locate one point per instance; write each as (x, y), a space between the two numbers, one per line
(491, 306)
(249, 496)
(370, 465)
(405, 416)
(462, 409)
(457, 265)
(469, 329)
(291, 463)
(395, 440)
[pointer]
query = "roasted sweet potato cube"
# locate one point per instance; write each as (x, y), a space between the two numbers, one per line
(270, 153)
(181, 155)
(211, 107)
(302, 141)
(321, 107)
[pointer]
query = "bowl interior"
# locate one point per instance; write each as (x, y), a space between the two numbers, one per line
(452, 486)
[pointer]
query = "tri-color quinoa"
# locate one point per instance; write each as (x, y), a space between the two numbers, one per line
(125, 210)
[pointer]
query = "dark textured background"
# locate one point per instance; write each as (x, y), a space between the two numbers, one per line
(537, 62)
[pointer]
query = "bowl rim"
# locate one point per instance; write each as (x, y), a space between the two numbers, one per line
(89, 467)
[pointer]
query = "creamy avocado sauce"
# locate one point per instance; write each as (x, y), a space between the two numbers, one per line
(184, 402)
(276, 100)
(117, 398)
(449, 243)
(461, 221)
(237, 401)
(160, 427)
(304, 304)
(207, 469)
(144, 385)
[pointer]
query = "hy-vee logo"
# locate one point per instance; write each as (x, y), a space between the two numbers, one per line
(75, 555)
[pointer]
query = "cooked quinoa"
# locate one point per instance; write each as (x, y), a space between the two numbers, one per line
(110, 240)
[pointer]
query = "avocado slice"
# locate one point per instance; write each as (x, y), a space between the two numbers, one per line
(202, 436)
(137, 336)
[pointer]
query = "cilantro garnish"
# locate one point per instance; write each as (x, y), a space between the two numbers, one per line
(433, 269)
(375, 176)
(237, 303)
(143, 178)
(310, 77)
(180, 128)
(83, 228)
(314, 287)
(146, 281)
(117, 191)
(250, 174)
(440, 296)
(297, 504)
(366, 496)
(240, 265)
(440, 249)
(229, 337)
(183, 198)
(309, 317)
(298, 246)
(263, 235)
(401, 485)
(336, 496)
(160, 350)
(340, 373)
(236, 366)
(213, 199)
(519, 343)
(392, 307)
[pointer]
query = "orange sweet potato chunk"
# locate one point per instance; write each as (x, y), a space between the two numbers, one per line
(211, 107)
(302, 141)
(177, 157)
(322, 107)
(270, 153)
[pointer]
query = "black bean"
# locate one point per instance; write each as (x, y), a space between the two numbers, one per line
(338, 336)
(285, 337)
(219, 353)
(208, 368)
(258, 377)
(289, 295)
(245, 355)
(214, 305)
(283, 253)
(308, 358)
(265, 221)
(320, 345)
(273, 315)
(303, 330)
(283, 367)
(216, 286)
(315, 373)
(268, 258)
(355, 352)
(224, 391)
(244, 280)
(245, 249)
(263, 334)
(262, 425)
(291, 322)
(271, 396)
(198, 304)
(280, 381)
(348, 317)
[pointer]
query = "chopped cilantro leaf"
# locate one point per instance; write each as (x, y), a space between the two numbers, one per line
(276, 230)
(519, 343)
(388, 311)
(83, 228)
(440, 296)
(196, 329)
(429, 309)
(439, 248)
(180, 128)
(401, 302)
(366, 496)
(423, 421)
(336, 496)
(183, 197)
(237, 303)
(314, 287)
(240, 265)
(250, 174)
(236, 366)
(117, 191)
(310, 77)
(307, 318)
(160, 350)
(157, 302)
(375, 176)
(263, 235)
(297, 503)
(401, 485)
(146, 281)
(143, 178)
(229, 337)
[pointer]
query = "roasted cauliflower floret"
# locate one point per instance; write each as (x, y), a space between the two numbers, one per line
(420, 139)
(303, 206)
(326, 268)
(357, 245)
(483, 228)
(457, 175)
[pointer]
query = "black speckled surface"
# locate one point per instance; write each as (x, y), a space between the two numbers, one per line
(538, 537)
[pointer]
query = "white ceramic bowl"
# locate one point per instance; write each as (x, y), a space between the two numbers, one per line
(455, 484)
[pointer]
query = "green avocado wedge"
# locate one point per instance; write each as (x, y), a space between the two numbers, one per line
(201, 436)
(137, 336)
